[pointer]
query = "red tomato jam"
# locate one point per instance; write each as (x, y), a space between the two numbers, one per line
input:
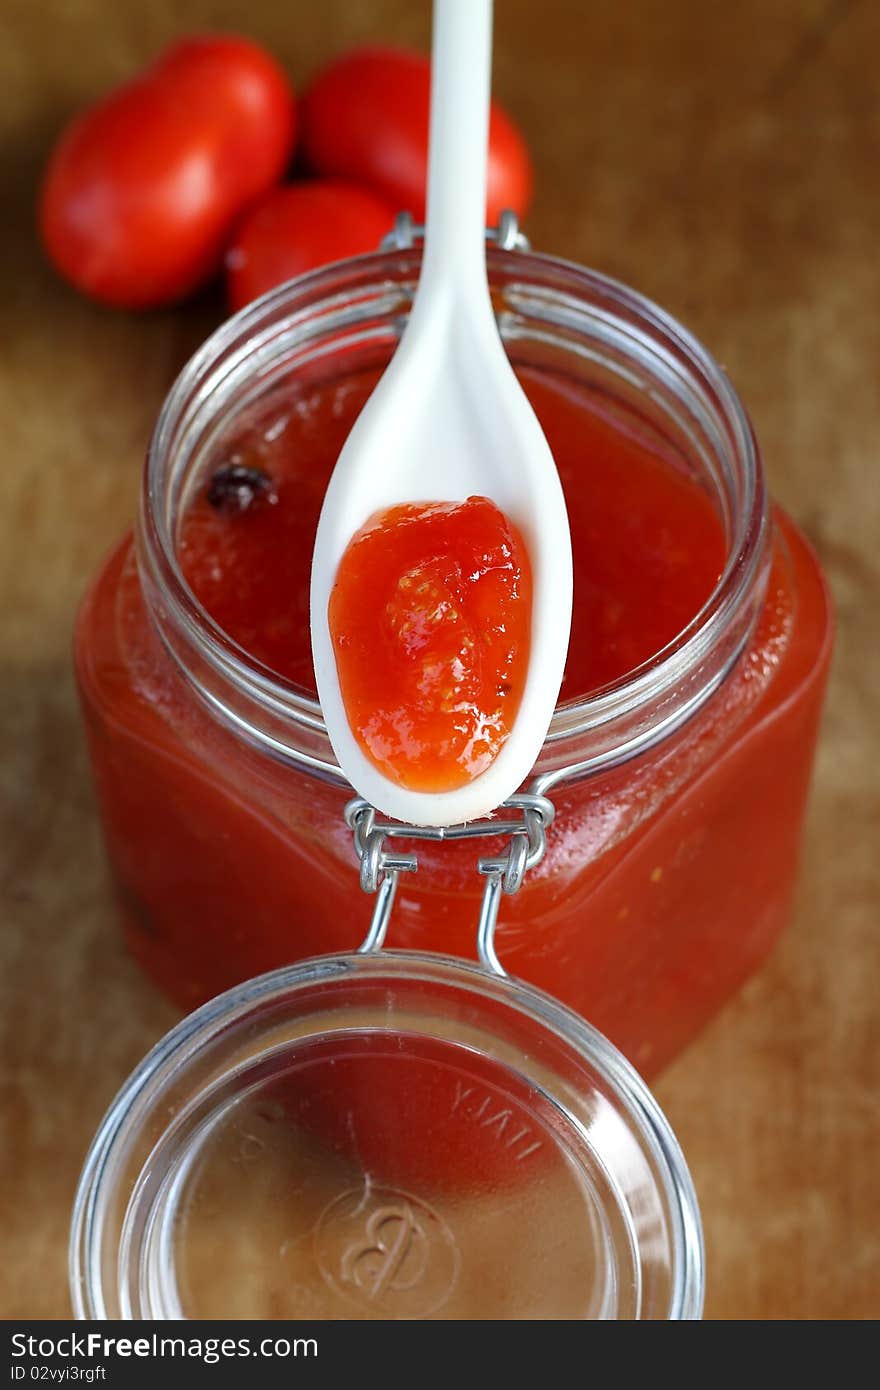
(430, 617)
(667, 876)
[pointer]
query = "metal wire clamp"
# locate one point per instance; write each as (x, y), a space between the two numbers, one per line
(406, 232)
(524, 818)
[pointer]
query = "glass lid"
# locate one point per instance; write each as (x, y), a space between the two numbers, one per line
(385, 1135)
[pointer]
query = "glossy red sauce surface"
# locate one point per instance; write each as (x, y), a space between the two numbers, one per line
(648, 543)
(430, 618)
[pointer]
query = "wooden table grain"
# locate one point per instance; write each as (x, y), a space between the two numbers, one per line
(723, 159)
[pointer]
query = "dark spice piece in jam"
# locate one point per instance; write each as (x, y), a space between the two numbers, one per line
(235, 488)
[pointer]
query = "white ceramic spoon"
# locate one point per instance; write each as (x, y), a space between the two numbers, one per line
(449, 420)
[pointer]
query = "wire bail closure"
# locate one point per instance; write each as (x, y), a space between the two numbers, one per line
(381, 868)
(406, 232)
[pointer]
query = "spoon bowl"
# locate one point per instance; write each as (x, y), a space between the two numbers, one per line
(449, 420)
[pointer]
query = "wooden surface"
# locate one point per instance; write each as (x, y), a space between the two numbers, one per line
(724, 160)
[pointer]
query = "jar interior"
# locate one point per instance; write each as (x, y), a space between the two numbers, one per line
(645, 403)
(639, 370)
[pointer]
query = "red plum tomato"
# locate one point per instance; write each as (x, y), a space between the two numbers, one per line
(299, 227)
(144, 187)
(365, 117)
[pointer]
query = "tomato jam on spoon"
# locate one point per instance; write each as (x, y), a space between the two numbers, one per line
(430, 616)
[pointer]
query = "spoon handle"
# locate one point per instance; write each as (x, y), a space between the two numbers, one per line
(454, 254)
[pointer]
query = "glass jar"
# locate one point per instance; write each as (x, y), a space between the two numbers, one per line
(679, 789)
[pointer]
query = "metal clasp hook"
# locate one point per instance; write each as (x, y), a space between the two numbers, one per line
(526, 823)
(406, 232)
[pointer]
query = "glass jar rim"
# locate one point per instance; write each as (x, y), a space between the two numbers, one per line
(148, 1090)
(640, 704)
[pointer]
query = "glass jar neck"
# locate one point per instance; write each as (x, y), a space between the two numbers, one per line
(552, 315)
